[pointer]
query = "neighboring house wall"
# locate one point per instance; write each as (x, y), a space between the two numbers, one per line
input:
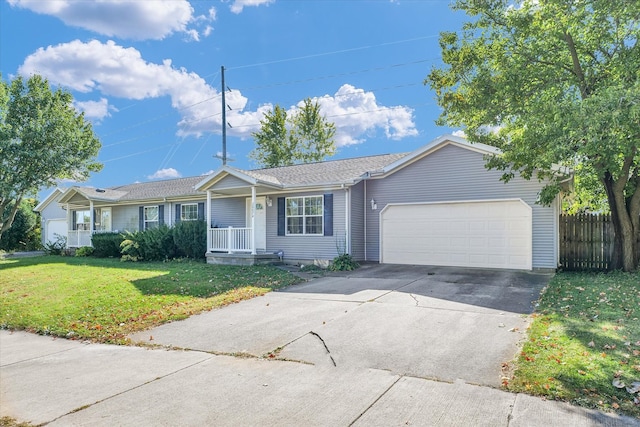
(308, 247)
(454, 174)
(358, 205)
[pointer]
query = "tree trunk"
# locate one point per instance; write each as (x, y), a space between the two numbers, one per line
(624, 247)
(6, 223)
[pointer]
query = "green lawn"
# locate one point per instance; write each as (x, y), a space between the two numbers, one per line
(584, 337)
(103, 300)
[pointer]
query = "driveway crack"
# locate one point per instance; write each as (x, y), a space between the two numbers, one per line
(325, 346)
(415, 299)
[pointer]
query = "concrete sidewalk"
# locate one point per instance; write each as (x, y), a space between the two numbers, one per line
(66, 383)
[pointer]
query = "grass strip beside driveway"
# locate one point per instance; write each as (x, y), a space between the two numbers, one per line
(104, 300)
(584, 342)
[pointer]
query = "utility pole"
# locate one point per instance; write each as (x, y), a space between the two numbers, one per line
(224, 119)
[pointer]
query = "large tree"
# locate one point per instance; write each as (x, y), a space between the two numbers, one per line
(43, 139)
(302, 137)
(552, 83)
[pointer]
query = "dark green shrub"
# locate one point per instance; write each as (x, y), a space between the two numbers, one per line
(84, 251)
(190, 238)
(343, 262)
(107, 245)
(157, 244)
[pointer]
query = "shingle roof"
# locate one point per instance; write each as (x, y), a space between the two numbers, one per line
(332, 171)
(155, 189)
(329, 172)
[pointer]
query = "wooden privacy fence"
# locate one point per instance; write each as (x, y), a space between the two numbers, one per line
(586, 242)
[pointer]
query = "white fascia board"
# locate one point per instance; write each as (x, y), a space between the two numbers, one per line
(43, 204)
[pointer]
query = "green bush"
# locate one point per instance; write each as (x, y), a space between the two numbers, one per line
(343, 262)
(130, 246)
(107, 245)
(57, 246)
(190, 238)
(84, 251)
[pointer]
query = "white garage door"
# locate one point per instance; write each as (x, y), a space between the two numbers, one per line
(493, 234)
(53, 227)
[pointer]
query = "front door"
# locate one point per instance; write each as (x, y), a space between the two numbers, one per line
(260, 222)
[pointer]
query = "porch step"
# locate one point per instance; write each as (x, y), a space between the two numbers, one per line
(221, 258)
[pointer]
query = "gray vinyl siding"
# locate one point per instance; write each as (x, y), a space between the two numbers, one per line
(357, 221)
(229, 182)
(308, 247)
(457, 174)
(229, 212)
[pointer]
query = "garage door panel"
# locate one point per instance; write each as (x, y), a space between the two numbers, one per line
(495, 234)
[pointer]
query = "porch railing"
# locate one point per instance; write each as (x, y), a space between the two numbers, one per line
(78, 238)
(230, 240)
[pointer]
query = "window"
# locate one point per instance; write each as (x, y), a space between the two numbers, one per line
(304, 215)
(83, 220)
(189, 212)
(151, 217)
(103, 219)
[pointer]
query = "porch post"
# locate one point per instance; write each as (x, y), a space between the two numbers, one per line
(92, 220)
(69, 223)
(253, 220)
(208, 219)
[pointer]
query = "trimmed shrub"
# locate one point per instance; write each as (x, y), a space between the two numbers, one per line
(56, 247)
(190, 238)
(130, 246)
(106, 245)
(84, 251)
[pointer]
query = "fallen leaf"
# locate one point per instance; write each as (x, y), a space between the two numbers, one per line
(635, 387)
(614, 405)
(591, 344)
(617, 383)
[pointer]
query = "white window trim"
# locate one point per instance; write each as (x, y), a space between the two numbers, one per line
(86, 226)
(145, 221)
(303, 216)
(182, 218)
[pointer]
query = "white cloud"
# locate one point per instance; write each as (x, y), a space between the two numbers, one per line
(95, 109)
(122, 72)
(207, 31)
(118, 18)
(357, 114)
(459, 133)
(165, 174)
(238, 5)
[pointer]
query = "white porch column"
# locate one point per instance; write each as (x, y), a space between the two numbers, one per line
(253, 220)
(347, 220)
(69, 223)
(92, 220)
(207, 218)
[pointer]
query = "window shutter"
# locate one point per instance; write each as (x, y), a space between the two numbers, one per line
(281, 217)
(141, 218)
(328, 215)
(201, 211)
(177, 212)
(161, 215)
(74, 225)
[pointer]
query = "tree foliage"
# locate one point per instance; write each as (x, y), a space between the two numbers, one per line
(552, 83)
(302, 137)
(42, 139)
(24, 233)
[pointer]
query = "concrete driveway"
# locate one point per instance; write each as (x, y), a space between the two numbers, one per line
(429, 322)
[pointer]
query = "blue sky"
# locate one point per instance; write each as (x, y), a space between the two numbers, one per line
(147, 73)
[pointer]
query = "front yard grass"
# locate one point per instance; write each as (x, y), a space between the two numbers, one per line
(585, 336)
(104, 300)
